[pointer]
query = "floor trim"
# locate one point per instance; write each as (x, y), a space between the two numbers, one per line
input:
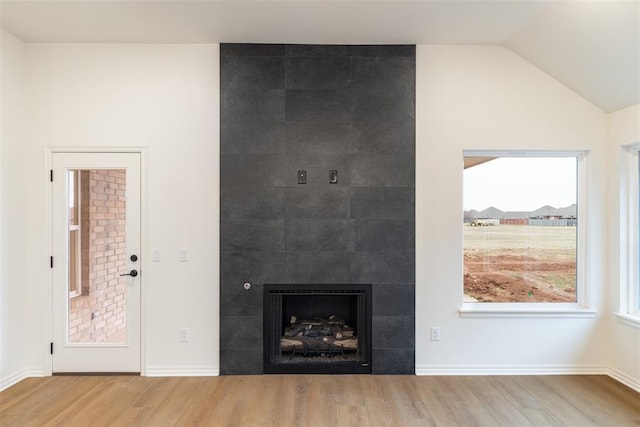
(16, 377)
(625, 379)
(182, 371)
(424, 370)
(511, 370)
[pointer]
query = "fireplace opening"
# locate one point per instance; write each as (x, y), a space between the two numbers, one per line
(317, 328)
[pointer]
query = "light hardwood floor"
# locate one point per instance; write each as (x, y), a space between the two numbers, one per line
(320, 400)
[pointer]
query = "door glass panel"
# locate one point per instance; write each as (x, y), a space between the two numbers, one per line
(97, 256)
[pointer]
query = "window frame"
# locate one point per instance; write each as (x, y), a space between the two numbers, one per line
(629, 302)
(580, 308)
(75, 234)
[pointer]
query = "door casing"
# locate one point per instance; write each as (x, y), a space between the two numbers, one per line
(48, 282)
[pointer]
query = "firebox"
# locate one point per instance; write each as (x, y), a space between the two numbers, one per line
(317, 329)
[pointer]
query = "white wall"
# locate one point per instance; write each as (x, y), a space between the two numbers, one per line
(624, 357)
(12, 204)
(486, 97)
(164, 98)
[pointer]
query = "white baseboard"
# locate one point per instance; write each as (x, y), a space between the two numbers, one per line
(625, 379)
(182, 371)
(511, 370)
(16, 377)
(156, 371)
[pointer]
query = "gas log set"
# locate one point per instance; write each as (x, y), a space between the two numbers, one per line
(318, 337)
(317, 329)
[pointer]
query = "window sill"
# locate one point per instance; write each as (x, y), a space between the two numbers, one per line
(628, 319)
(513, 310)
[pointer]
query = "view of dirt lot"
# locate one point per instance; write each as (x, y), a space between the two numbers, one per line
(520, 263)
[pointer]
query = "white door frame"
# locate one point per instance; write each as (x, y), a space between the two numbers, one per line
(48, 285)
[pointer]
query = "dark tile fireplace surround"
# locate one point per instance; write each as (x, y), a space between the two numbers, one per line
(317, 108)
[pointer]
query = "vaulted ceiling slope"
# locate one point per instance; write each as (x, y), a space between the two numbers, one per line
(593, 47)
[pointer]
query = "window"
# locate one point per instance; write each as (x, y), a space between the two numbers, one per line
(630, 236)
(521, 228)
(635, 285)
(75, 247)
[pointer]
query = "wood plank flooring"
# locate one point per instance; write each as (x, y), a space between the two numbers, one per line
(320, 400)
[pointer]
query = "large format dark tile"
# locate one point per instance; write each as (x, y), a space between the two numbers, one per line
(318, 235)
(393, 361)
(252, 170)
(319, 137)
(383, 202)
(382, 105)
(252, 72)
(393, 74)
(257, 267)
(383, 50)
(318, 267)
(241, 332)
(318, 73)
(394, 300)
(317, 202)
(252, 137)
(237, 301)
(241, 362)
(248, 105)
(254, 267)
(251, 202)
(293, 50)
(393, 331)
(384, 234)
(382, 136)
(382, 170)
(251, 234)
(383, 267)
(250, 49)
(318, 105)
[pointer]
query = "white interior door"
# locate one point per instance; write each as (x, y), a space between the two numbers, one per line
(96, 262)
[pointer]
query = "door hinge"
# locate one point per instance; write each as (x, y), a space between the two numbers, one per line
(51, 262)
(51, 348)
(51, 175)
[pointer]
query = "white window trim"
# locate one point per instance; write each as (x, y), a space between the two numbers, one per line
(77, 288)
(629, 311)
(522, 309)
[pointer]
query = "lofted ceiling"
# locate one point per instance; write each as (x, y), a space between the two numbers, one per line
(592, 47)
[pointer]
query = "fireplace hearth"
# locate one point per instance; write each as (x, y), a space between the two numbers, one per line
(317, 328)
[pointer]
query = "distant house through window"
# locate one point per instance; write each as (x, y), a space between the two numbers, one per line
(520, 228)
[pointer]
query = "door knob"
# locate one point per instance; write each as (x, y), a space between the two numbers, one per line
(132, 273)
